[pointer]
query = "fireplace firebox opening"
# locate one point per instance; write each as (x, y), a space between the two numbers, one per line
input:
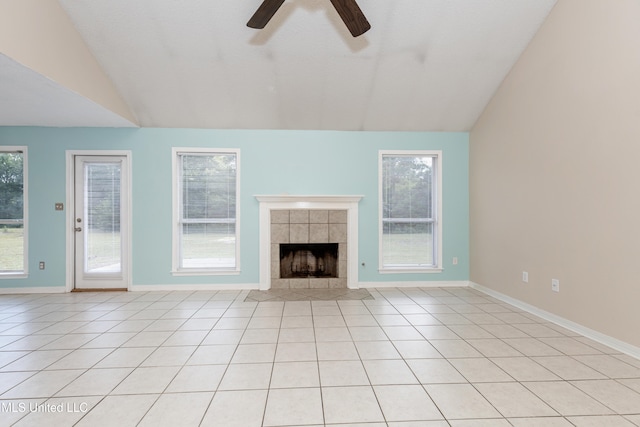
(300, 260)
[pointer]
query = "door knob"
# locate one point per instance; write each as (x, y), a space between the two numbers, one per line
(78, 229)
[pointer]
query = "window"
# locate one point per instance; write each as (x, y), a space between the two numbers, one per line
(205, 198)
(13, 204)
(410, 229)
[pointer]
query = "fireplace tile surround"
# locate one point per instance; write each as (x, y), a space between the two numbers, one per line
(308, 226)
(308, 219)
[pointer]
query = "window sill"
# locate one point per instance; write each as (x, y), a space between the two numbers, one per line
(401, 270)
(13, 276)
(205, 272)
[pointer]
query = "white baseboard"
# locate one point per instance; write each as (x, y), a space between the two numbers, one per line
(239, 287)
(34, 290)
(195, 287)
(416, 284)
(599, 337)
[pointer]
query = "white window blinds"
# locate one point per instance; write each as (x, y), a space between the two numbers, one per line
(207, 210)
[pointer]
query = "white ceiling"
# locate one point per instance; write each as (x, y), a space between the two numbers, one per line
(426, 65)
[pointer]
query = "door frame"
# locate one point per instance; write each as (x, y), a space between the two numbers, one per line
(70, 215)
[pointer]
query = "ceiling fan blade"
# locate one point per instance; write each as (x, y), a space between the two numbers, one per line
(265, 12)
(352, 16)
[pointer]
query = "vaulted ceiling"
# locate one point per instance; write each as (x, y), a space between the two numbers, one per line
(425, 65)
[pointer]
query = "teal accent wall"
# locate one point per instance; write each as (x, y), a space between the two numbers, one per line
(271, 162)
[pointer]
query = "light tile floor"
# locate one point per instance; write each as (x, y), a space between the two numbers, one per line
(403, 358)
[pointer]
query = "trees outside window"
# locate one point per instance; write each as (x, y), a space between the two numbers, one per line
(409, 223)
(12, 211)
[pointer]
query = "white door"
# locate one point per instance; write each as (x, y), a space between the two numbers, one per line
(101, 234)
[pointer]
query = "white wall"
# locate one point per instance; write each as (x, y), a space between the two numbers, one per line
(555, 175)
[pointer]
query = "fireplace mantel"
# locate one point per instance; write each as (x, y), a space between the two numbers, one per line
(348, 203)
(306, 201)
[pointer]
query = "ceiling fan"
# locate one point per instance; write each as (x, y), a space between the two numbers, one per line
(348, 10)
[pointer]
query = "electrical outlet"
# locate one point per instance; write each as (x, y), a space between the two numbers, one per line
(41, 265)
(455, 260)
(525, 277)
(555, 285)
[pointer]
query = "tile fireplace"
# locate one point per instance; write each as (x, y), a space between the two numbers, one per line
(308, 242)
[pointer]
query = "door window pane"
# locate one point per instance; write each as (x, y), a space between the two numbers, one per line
(102, 218)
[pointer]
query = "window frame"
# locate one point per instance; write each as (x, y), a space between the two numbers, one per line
(437, 267)
(176, 269)
(13, 274)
